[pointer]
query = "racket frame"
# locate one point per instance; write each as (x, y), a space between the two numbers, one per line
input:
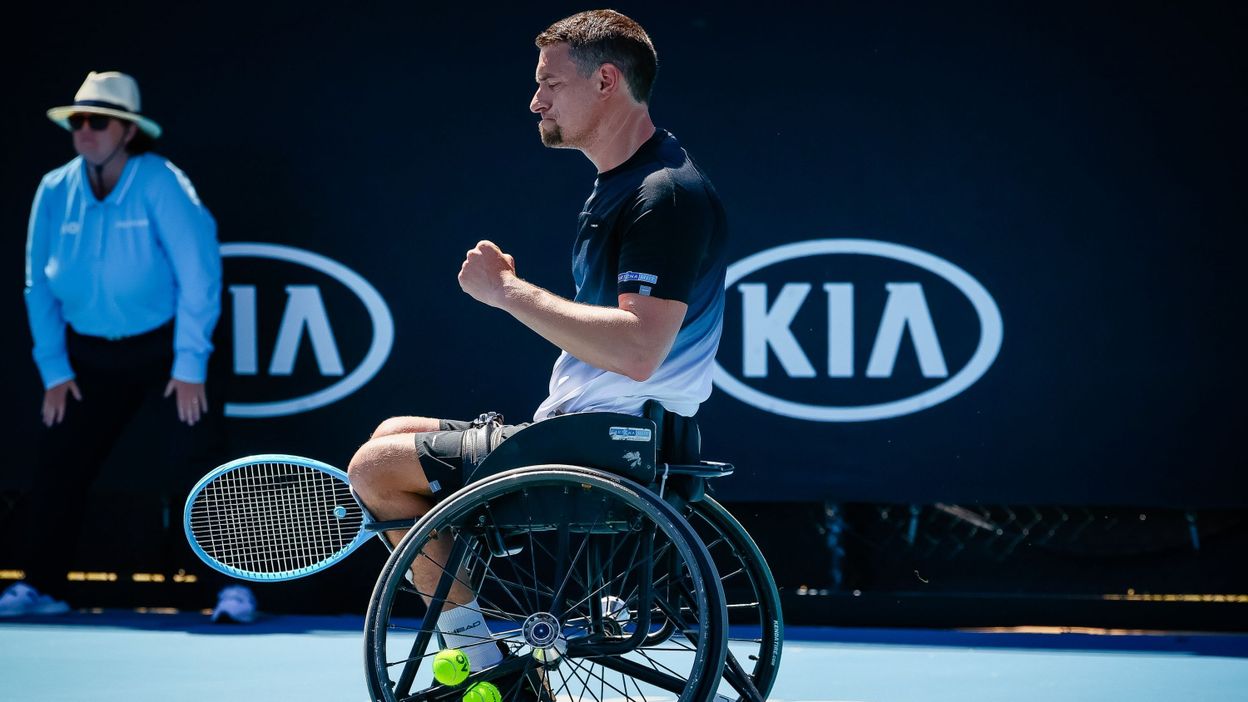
(367, 528)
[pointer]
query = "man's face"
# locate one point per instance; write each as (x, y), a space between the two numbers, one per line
(567, 101)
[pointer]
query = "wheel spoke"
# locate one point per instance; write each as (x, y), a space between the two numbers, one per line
(657, 555)
(512, 616)
(508, 585)
(742, 682)
(672, 683)
(655, 664)
(632, 566)
(589, 672)
(583, 681)
(490, 572)
(481, 640)
(516, 571)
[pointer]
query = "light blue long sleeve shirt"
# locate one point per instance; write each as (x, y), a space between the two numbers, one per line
(126, 265)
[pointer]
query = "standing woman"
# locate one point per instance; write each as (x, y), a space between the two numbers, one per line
(123, 286)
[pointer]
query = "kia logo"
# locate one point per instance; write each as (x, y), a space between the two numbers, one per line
(904, 317)
(304, 317)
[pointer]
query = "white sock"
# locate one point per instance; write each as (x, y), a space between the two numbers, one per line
(464, 628)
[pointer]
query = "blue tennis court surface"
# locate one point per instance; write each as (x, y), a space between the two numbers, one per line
(141, 657)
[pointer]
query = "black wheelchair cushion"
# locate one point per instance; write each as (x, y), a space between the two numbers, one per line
(618, 443)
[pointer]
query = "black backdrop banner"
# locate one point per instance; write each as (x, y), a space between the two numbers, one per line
(981, 253)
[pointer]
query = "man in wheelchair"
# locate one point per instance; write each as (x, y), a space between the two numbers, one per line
(644, 325)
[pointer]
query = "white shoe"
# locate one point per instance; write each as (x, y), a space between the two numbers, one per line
(235, 603)
(21, 599)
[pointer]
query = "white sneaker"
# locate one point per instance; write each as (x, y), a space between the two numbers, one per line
(21, 599)
(236, 604)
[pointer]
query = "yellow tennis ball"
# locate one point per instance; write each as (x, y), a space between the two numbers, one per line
(482, 692)
(450, 666)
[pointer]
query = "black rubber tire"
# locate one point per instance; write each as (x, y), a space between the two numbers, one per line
(755, 619)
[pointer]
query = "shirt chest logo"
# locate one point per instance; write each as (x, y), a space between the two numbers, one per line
(131, 224)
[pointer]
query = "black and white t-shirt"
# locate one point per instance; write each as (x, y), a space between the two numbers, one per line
(652, 226)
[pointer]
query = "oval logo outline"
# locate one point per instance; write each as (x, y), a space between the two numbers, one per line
(991, 334)
(378, 313)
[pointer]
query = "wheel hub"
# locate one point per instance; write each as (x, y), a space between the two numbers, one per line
(544, 633)
(541, 630)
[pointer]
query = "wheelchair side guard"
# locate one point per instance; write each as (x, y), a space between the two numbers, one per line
(379, 528)
(618, 443)
(684, 489)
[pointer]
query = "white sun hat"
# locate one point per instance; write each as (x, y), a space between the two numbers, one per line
(109, 93)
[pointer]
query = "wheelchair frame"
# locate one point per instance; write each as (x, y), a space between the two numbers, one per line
(603, 479)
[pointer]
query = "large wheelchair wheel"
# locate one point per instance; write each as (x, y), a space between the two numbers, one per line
(756, 625)
(591, 581)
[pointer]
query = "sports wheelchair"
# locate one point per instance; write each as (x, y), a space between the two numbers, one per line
(604, 568)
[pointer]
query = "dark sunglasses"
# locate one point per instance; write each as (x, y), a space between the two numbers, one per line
(98, 122)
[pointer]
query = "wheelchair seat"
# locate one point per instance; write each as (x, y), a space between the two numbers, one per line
(646, 449)
(618, 443)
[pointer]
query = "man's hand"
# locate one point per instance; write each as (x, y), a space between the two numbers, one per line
(485, 273)
(632, 339)
(54, 401)
(191, 399)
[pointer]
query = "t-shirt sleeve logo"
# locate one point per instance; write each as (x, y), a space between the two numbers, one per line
(633, 277)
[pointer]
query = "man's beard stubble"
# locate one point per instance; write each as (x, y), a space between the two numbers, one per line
(552, 136)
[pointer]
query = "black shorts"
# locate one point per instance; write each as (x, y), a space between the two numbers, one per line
(442, 452)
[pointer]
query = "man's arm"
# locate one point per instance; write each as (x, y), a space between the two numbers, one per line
(632, 339)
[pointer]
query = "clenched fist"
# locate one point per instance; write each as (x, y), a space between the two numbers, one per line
(485, 273)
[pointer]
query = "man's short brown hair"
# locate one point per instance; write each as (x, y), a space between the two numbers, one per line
(596, 37)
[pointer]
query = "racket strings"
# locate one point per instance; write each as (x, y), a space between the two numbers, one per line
(274, 518)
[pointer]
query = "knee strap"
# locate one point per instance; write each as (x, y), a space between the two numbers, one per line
(484, 436)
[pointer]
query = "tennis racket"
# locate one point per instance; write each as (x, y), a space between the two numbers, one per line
(274, 517)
